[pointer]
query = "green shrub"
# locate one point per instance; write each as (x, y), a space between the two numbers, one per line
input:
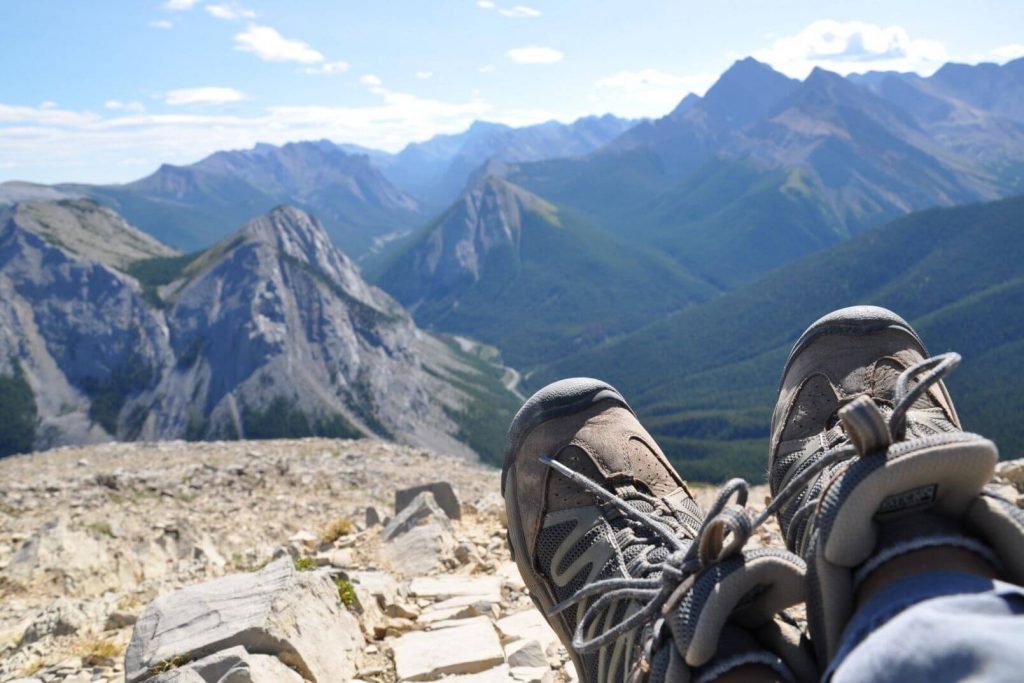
(346, 591)
(18, 414)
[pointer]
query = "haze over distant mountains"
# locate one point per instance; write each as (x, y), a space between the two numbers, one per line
(676, 256)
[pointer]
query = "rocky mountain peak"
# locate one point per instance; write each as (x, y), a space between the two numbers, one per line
(746, 92)
(297, 235)
(84, 228)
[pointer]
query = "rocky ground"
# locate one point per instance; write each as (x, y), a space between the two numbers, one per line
(90, 536)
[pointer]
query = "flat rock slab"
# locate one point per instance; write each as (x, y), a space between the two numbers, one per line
(464, 649)
(295, 616)
(528, 625)
(486, 588)
(445, 496)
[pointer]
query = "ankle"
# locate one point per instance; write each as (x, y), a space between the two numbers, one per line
(920, 544)
(942, 558)
(751, 673)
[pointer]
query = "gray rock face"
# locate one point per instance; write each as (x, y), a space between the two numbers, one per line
(272, 332)
(74, 325)
(444, 495)
(487, 218)
(296, 617)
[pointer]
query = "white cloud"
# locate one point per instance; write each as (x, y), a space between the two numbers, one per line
(534, 54)
(161, 23)
(514, 12)
(1001, 54)
(520, 12)
(370, 79)
(52, 145)
(229, 12)
(486, 69)
(269, 45)
(206, 95)
(328, 68)
(118, 105)
(852, 46)
(48, 104)
(424, 75)
(180, 5)
(651, 92)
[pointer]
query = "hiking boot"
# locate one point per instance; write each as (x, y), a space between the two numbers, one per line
(602, 529)
(868, 461)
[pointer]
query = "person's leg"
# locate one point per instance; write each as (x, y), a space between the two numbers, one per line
(602, 527)
(882, 493)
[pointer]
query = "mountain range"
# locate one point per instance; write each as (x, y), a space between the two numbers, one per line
(270, 332)
(677, 257)
(706, 377)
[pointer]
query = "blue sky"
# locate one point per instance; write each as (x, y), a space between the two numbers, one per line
(106, 91)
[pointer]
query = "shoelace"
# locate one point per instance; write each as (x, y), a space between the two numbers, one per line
(935, 368)
(659, 596)
(634, 533)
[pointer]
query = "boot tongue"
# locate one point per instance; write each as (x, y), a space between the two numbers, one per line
(882, 382)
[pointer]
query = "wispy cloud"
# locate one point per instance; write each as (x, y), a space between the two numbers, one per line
(50, 145)
(1001, 54)
(519, 12)
(424, 75)
(161, 23)
(514, 12)
(370, 79)
(205, 95)
(269, 45)
(652, 92)
(534, 54)
(131, 107)
(180, 5)
(486, 69)
(328, 69)
(229, 11)
(853, 46)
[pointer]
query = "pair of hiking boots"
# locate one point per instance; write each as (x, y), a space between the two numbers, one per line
(867, 461)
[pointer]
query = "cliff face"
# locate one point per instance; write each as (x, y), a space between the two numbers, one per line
(74, 328)
(272, 332)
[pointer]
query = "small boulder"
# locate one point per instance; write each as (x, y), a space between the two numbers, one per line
(295, 616)
(234, 665)
(1012, 471)
(419, 539)
(62, 618)
(526, 653)
(446, 497)
(119, 619)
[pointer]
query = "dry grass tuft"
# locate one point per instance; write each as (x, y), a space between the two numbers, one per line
(342, 526)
